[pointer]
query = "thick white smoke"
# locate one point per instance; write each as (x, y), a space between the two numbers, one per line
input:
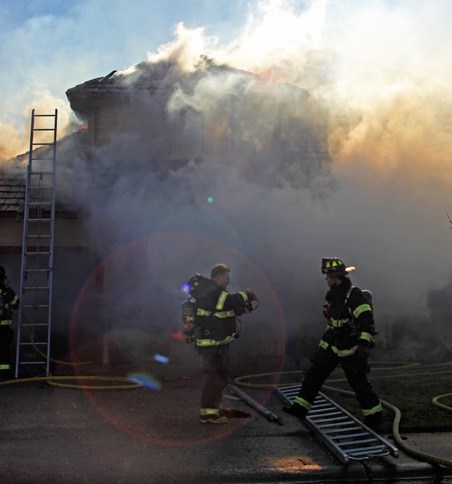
(380, 90)
(370, 81)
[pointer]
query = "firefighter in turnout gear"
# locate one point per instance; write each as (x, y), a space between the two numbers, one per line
(215, 329)
(346, 341)
(8, 301)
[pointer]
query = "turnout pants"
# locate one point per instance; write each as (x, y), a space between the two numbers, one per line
(6, 338)
(323, 362)
(215, 362)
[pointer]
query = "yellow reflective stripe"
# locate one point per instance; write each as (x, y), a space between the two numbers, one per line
(304, 403)
(342, 353)
(203, 312)
(371, 411)
(244, 295)
(366, 336)
(209, 411)
(16, 298)
(5, 322)
(5, 367)
(221, 300)
(361, 309)
(214, 342)
(323, 344)
(225, 314)
(337, 323)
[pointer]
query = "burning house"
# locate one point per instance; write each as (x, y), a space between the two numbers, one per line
(159, 144)
(135, 106)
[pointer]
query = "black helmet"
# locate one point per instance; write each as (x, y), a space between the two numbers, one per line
(333, 265)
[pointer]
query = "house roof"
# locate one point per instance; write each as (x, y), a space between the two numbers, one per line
(148, 77)
(12, 198)
(12, 193)
(80, 95)
(13, 175)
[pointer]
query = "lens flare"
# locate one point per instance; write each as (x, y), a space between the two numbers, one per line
(152, 267)
(186, 288)
(148, 381)
(161, 358)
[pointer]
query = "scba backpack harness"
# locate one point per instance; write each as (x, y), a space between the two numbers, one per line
(197, 287)
(368, 298)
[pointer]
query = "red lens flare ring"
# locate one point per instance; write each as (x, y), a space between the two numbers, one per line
(156, 254)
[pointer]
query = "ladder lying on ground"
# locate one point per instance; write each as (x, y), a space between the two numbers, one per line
(347, 437)
(33, 334)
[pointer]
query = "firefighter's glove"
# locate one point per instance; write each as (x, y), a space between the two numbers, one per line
(362, 351)
(251, 295)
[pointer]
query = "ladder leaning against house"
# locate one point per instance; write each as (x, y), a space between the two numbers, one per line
(33, 333)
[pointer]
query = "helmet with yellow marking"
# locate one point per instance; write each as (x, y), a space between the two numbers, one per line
(333, 265)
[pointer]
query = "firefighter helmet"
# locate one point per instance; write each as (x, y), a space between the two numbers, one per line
(333, 265)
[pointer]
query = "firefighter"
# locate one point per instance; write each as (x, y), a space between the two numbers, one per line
(216, 311)
(346, 341)
(8, 301)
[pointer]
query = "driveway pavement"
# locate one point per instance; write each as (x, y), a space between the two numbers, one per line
(152, 434)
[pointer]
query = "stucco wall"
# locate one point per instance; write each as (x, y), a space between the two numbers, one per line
(68, 233)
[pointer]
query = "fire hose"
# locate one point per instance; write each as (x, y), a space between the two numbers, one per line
(130, 384)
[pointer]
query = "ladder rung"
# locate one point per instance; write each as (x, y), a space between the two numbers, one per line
(367, 450)
(348, 436)
(43, 129)
(37, 253)
(35, 288)
(335, 424)
(43, 144)
(44, 115)
(288, 388)
(354, 442)
(323, 413)
(346, 429)
(36, 306)
(32, 363)
(39, 236)
(35, 220)
(337, 419)
(37, 204)
(324, 405)
(38, 270)
(41, 173)
(35, 343)
(33, 324)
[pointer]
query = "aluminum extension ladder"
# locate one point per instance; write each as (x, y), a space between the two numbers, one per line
(33, 334)
(344, 435)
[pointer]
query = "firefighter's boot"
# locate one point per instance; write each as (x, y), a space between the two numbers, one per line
(296, 410)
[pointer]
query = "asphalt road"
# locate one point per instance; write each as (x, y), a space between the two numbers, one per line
(153, 434)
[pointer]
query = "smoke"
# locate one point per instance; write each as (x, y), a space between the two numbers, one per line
(339, 145)
(16, 140)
